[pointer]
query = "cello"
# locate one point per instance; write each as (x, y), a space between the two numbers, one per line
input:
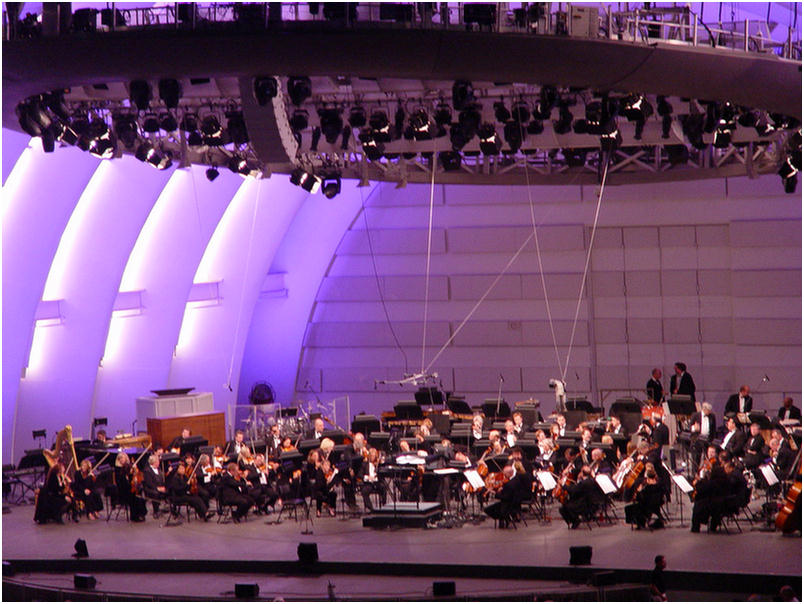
(788, 519)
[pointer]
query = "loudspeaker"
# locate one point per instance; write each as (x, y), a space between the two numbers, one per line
(581, 554)
(307, 552)
(81, 550)
(443, 588)
(247, 590)
(84, 581)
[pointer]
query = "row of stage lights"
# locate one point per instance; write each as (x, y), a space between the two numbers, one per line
(523, 119)
(140, 128)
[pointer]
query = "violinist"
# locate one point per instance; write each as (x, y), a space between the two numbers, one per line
(154, 485)
(598, 463)
(324, 491)
(648, 501)
(234, 446)
(519, 425)
(703, 431)
(548, 457)
(555, 432)
(477, 429)
(354, 457)
(54, 499)
(123, 471)
(274, 444)
(251, 476)
(263, 479)
(583, 497)
(218, 458)
(506, 497)
(518, 460)
(510, 436)
(710, 493)
(371, 479)
(206, 477)
(660, 433)
(287, 445)
(85, 491)
(234, 491)
(179, 489)
(585, 446)
(782, 456)
(615, 426)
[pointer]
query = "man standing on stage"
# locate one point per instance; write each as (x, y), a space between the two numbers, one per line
(681, 382)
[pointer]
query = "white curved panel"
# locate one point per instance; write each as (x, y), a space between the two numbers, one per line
(139, 345)
(86, 273)
(38, 199)
(212, 338)
(278, 325)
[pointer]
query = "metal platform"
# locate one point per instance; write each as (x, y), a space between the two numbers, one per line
(403, 514)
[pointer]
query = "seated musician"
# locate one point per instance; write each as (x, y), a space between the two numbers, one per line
(218, 458)
(562, 425)
(267, 481)
(179, 490)
(354, 457)
(52, 500)
(519, 426)
(660, 433)
(234, 446)
(782, 456)
(251, 475)
(585, 445)
(519, 460)
(324, 489)
(274, 444)
(101, 441)
(739, 493)
(506, 497)
(703, 431)
(123, 469)
(86, 492)
(710, 493)
(788, 410)
(371, 481)
(207, 477)
(548, 456)
(153, 483)
(176, 443)
(598, 463)
(233, 490)
(584, 498)
(645, 453)
(317, 432)
(510, 436)
(648, 501)
(734, 441)
(606, 439)
(615, 426)
(477, 429)
(326, 448)
(755, 450)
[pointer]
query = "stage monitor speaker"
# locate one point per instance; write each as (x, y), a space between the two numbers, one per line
(580, 555)
(308, 553)
(442, 589)
(81, 550)
(82, 581)
(247, 590)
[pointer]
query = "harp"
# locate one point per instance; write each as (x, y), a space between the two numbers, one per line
(64, 451)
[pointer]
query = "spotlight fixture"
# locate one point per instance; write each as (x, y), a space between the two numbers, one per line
(520, 112)
(167, 122)
(373, 149)
(535, 127)
(102, 147)
(399, 120)
(170, 92)
(67, 135)
(450, 160)
(140, 94)
(790, 184)
(357, 116)
(299, 120)
(211, 130)
(469, 119)
(693, 128)
(564, 123)
(457, 136)
(548, 96)
(148, 154)
(236, 126)
(126, 129)
(490, 143)
(299, 89)
(49, 139)
(265, 88)
(212, 173)
(189, 122)
(55, 102)
(420, 125)
(443, 114)
(462, 94)
(306, 180)
(501, 113)
(331, 186)
(238, 165)
(514, 134)
(331, 123)
(150, 123)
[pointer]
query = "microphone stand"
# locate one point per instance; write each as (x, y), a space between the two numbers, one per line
(499, 396)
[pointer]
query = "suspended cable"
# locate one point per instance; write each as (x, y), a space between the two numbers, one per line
(377, 280)
(429, 252)
(586, 266)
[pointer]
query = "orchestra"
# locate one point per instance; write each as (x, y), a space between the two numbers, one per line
(418, 464)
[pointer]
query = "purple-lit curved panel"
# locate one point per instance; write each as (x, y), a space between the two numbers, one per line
(85, 273)
(38, 199)
(210, 346)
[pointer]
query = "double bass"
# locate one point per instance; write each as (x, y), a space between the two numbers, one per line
(789, 517)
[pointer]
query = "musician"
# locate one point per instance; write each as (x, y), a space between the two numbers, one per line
(177, 442)
(123, 469)
(53, 500)
(244, 458)
(703, 430)
(660, 435)
(218, 460)
(782, 457)
(599, 464)
(179, 490)
(371, 481)
(788, 410)
(740, 402)
(654, 388)
(710, 494)
(648, 501)
(318, 429)
(234, 491)
(548, 456)
(477, 429)
(85, 491)
(645, 454)
(274, 444)
(585, 445)
(324, 489)
(207, 476)
(615, 426)
(101, 441)
(510, 435)
(584, 497)
(518, 457)
(755, 450)
(519, 426)
(571, 463)
(506, 497)
(234, 446)
(354, 457)
(256, 480)
(562, 424)
(738, 493)
(734, 441)
(682, 382)
(153, 483)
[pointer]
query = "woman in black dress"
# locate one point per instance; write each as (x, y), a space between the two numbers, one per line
(86, 493)
(53, 499)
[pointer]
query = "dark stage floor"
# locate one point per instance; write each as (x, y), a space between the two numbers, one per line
(362, 562)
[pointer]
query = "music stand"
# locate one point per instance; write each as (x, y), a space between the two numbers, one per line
(759, 417)
(288, 412)
(40, 434)
(192, 444)
(365, 424)
(685, 487)
(380, 440)
(429, 396)
(308, 445)
(408, 410)
(681, 404)
(496, 463)
(458, 406)
(529, 448)
(337, 436)
(490, 406)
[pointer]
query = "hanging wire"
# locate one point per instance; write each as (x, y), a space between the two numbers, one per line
(429, 252)
(586, 265)
(377, 280)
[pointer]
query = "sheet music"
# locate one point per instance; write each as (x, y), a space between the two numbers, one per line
(445, 471)
(605, 483)
(682, 483)
(769, 474)
(474, 479)
(546, 479)
(413, 460)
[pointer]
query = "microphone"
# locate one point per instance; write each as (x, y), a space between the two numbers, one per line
(502, 379)
(766, 378)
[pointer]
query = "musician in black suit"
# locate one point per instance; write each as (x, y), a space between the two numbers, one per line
(782, 456)
(234, 491)
(371, 480)
(704, 425)
(318, 429)
(654, 388)
(734, 441)
(584, 496)
(740, 402)
(788, 410)
(179, 489)
(598, 463)
(710, 494)
(660, 434)
(506, 498)
(177, 442)
(682, 382)
(274, 445)
(153, 483)
(615, 426)
(755, 449)
(648, 500)
(233, 447)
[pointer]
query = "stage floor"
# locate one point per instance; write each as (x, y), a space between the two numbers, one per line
(257, 543)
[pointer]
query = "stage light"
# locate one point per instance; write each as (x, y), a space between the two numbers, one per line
(379, 120)
(238, 164)
(790, 184)
(26, 120)
(469, 119)
(575, 158)
(331, 123)
(146, 153)
(150, 123)
(399, 120)
(443, 114)
(140, 94)
(357, 116)
(513, 132)
(663, 107)
(102, 147)
(212, 173)
(611, 141)
(307, 181)
(635, 107)
(722, 139)
(299, 120)
(667, 123)
(236, 126)
(55, 102)
(420, 124)
(520, 112)
(564, 123)
(331, 186)
(67, 135)
(548, 97)
(692, 126)
(299, 89)
(212, 130)
(462, 94)
(490, 143)
(457, 137)
(265, 89)
(189, 122)
(170, 92)
(450, 160)
(501, 113)
(167, 122)
(49, 139)
(535, 127)
(373, 150)
(126, 129)
(194, 139)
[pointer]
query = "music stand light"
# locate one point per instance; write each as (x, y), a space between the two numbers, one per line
(40, 434)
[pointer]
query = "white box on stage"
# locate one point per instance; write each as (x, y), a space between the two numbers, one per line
(172, 406)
